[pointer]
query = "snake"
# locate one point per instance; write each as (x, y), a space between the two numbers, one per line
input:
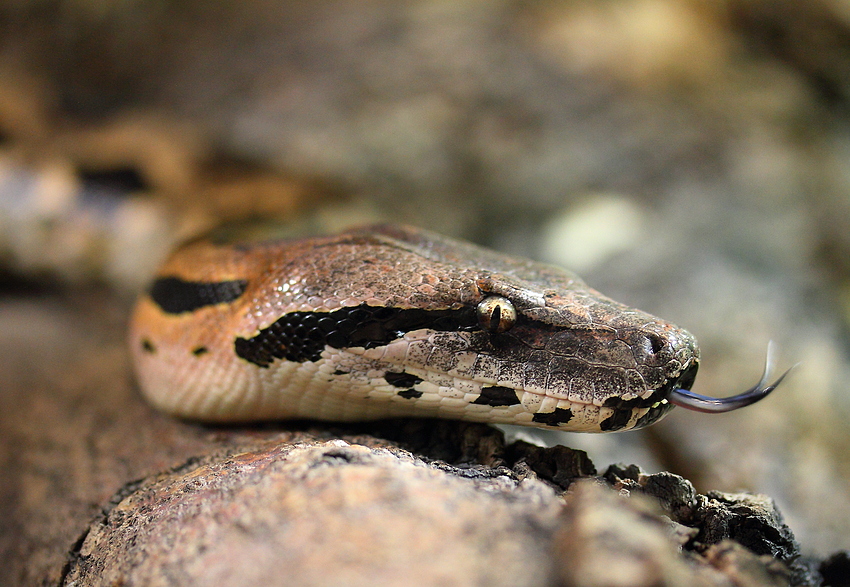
(396, 321)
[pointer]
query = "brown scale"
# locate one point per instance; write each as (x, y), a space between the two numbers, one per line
(251, 306)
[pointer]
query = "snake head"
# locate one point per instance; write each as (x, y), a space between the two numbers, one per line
(396, 321)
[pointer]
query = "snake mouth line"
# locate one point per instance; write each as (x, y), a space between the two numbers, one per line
(628, 414)
(656, 403)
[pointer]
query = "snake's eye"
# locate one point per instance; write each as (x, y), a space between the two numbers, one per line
(496, 314)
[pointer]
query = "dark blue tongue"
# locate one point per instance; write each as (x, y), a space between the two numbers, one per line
(715, 405)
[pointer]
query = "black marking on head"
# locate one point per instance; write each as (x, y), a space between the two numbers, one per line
(147, 346)
(616, 421)
(497, 396)
(339, 372)
(201, 350)
(176, 296)
(556, 418)
(402, 379)
(302, 336)
(410, 394)
(638, 402)
(653, 415)
(623, 408)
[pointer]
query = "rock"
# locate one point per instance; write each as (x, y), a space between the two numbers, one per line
(558, 464)
(835, 570)
(323, 513)
(751, 520)
(743, 568)
(608, 540)
(327, 509)
(741, 519)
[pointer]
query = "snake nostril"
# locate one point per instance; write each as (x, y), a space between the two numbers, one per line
(654, 343)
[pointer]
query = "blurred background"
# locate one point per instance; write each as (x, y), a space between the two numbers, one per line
(688, 157)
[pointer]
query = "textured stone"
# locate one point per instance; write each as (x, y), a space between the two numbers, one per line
(835, 570)
(608, 540)
(322, 513)
(274, 510)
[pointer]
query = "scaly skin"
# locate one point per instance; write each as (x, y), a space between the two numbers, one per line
(382, 321)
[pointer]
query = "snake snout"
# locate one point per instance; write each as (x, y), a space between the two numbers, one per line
(686, 380)
(673, 351)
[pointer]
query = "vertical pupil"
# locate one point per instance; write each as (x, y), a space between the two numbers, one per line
(495, 318)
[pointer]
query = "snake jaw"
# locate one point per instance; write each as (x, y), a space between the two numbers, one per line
(687, 399)
(394, 321)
